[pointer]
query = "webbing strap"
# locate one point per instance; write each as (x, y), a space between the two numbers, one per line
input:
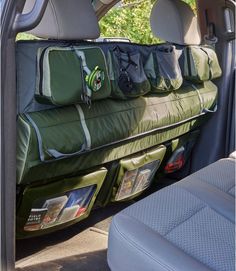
(84, 126)
(85, 69)
(38, 135)
(86, 145)
(54, 153)
(209, 62)
(200, 98)
(204, 110)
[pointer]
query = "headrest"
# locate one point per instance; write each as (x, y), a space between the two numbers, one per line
(66, 19)
(175, 22)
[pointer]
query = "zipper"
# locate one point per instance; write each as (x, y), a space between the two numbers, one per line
(41, 70)
(188, 61)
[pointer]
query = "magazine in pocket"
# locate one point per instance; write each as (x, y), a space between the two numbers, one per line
(51, 206)
(135, 174)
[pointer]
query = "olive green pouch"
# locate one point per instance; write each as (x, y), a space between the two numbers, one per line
(45, 208)
(135, 174)
(163, 70)
(70, 75)
(201, 64)
(127, 76)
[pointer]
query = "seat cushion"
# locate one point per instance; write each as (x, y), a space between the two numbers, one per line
(179, 228)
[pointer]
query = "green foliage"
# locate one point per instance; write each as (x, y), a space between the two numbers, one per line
(130, 19)
(25, 36)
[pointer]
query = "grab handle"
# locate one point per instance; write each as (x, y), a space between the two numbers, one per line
(24, 22)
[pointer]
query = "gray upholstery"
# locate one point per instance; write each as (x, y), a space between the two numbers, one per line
(186, 226)
(233, 155)
(70, 19)
(175, 22)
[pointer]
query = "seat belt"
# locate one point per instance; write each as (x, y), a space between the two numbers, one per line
(210, 38)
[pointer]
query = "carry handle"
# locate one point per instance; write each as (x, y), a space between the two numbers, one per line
(24, 22)
(54, 153)
(58, 155)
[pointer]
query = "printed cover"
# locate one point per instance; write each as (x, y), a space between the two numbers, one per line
(137, 180)
(49, 212)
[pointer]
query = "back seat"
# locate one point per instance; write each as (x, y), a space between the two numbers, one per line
(187, 226)
(72, 154)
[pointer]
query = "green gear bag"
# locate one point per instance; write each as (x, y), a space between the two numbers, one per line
(201, 64)
(163, 70)
(52, 206)
(70, 75)
(126, 73)
(61, 141)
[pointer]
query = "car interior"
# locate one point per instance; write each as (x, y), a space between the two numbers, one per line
(125, 152)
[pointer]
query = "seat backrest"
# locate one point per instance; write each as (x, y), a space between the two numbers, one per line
(175, 22)
(66, 20)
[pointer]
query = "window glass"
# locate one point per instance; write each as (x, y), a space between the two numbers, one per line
(131, 19)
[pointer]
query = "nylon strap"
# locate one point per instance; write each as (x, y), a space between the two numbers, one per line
(38, 135)
(209, 64)
(204, 110)
(200, 98)
(86, 145)
(87, 97)
(54, 153)
(84, 126)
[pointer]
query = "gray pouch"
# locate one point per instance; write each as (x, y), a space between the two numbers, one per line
(163, 70)
(127, 76)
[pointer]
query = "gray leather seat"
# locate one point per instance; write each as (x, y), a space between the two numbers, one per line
(187, 226)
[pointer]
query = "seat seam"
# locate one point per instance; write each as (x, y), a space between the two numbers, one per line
(182, 222)
(140, 248)
(224, 195)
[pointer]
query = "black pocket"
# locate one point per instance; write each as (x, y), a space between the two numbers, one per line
(163, 70)
(128, 79)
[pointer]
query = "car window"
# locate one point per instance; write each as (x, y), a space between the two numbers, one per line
(130, 19)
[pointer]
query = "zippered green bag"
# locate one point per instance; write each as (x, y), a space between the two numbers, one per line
(201, 64)
(70, 75)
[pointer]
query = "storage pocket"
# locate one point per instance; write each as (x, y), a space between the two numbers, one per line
(201, 64)
(180, 152)
(136, 174)
(46, 208)
(70, 75)
(126, 72)
(163, 70)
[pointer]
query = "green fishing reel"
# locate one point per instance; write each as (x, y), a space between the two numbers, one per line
(95, 80)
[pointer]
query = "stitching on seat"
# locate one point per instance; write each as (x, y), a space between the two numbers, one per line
(135, 245)
(224, 195)
(199, 210)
